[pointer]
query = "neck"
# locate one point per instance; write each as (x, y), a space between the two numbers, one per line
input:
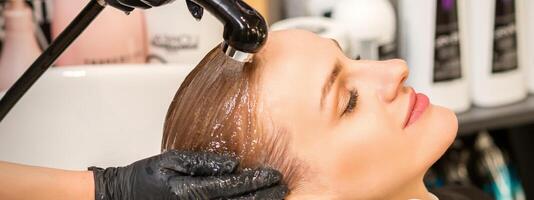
(413, 190)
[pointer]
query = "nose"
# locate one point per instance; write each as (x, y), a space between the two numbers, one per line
(387, 77)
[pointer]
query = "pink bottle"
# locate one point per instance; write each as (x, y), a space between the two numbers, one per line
(112, 38)
(20, 46)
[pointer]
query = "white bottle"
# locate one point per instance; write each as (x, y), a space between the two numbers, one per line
(20, 45)
(371, 25)
(112, 38)
(176, 37)
(526, 39)
(491, 43)
(325, 27)
(430, 41)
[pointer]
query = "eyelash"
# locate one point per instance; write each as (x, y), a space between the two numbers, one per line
(353, 97)
(352, 102)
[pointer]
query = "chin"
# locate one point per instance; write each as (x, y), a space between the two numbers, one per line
(437, 133)
(451, 120)
(447, 126)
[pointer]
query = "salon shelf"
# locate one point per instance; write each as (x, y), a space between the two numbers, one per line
(478, 118)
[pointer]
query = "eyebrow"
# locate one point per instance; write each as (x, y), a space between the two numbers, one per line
(328, 84)
(337, 44)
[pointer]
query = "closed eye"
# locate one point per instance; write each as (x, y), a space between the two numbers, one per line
(353, 100)
(351, 104)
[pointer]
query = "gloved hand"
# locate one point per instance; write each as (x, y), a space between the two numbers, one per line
(186, 175)
(129, 5)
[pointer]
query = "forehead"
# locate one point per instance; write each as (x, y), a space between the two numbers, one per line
(294, 66)
(290, 42)
(292, 51)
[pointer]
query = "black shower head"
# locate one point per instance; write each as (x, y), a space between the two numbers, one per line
(245, 30)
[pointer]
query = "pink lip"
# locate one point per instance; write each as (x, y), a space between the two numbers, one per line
(418, 104)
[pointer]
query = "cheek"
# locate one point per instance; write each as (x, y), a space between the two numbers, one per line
(366, 154)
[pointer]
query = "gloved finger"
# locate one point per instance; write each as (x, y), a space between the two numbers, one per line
(156, 3)
(135, 3)
(116, 4)
(198, 163)
(278, 192)
(223, 186)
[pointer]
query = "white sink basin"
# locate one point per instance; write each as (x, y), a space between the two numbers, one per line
(77, 117)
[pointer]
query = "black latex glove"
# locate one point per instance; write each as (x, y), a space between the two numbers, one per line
(186, 175)
(129, 5)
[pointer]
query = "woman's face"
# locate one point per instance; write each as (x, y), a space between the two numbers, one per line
(348, 119)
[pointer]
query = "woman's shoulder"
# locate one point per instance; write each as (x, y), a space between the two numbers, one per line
(460, 193)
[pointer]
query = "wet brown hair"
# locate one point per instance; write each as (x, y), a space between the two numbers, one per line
(215, 110)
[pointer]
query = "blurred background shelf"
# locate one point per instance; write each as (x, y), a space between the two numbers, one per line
(478, 118)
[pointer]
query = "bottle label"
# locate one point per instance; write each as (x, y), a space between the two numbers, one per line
(447, 59)
(504, 37)
(174, 43)
(169, 44)
(133, 57)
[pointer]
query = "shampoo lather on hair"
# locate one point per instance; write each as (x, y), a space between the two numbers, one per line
(20, 46)
(492, 47)
(431, 36)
